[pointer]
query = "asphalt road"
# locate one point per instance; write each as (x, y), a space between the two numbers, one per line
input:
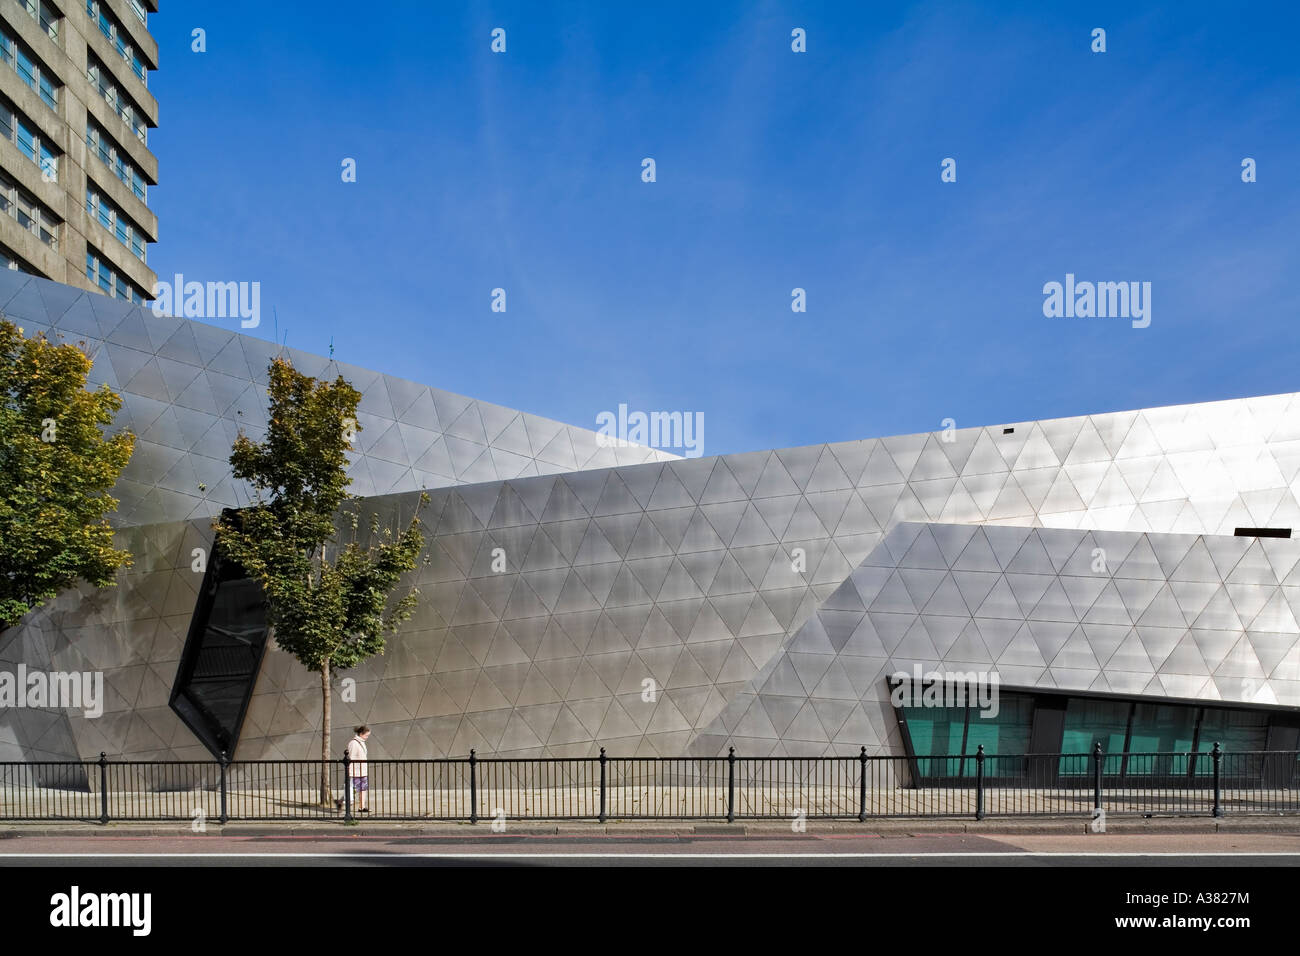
(957, 849)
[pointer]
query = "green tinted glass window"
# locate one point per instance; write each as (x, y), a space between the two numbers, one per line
(1004, 736)
(1165, 731)
(936, 732)
(1089, 722)
(1237, 731)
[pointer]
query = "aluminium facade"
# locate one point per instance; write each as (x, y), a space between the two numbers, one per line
(763, 600)
(188, 388)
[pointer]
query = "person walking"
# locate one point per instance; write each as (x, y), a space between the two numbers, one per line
(357, 771)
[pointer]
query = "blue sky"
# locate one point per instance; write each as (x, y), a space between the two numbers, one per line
(775, 170)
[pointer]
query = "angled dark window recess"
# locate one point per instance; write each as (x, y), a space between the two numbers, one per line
(1008, 431)
(1262, 533)
(222, 655)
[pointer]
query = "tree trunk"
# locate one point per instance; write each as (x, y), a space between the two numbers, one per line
(326, 797)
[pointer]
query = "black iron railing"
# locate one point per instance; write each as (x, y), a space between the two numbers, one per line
(475, 789)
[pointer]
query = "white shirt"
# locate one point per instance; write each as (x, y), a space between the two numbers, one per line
(357, 754)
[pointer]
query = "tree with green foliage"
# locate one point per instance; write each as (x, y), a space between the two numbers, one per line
(57, 466)
(329, 603)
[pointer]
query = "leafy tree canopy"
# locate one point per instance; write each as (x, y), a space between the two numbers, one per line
(328, 602)
(57, 466)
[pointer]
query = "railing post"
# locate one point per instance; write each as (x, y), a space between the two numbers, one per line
(222, 764)
(862, 787)
(1216, 754)
(602, 784)
(103, 787)
(1096, 776)
(731, 784)
(473, 788)
(979, 782)
(347, 787)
